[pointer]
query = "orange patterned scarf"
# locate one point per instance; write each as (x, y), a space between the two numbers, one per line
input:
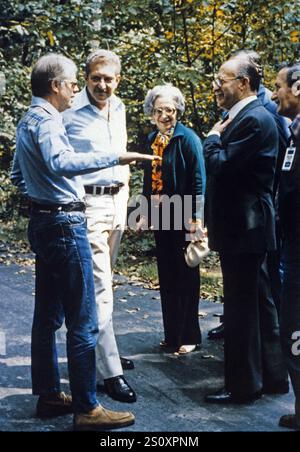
(158, 146)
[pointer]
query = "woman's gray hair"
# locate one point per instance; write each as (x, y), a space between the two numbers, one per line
(167, 90)
(52, 66)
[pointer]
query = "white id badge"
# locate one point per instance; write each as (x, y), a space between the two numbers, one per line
(289, 158)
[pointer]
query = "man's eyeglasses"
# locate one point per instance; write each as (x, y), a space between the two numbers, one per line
(220, 81)
(167, 110)
(74, 84)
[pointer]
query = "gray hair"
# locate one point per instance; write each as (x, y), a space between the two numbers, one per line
(52, 66)
(248, 70)
(252, 56)
(167, 90)
(104, 57)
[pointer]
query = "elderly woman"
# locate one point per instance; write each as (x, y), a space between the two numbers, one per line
(180, 172)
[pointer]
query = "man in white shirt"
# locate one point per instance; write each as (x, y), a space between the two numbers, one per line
(97, 120)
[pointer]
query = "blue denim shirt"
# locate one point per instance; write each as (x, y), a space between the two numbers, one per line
(46, 167)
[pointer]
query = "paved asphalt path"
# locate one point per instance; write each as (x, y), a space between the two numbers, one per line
(170, 389)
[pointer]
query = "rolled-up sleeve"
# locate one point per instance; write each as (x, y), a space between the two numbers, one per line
(16, 175)
(60, 157)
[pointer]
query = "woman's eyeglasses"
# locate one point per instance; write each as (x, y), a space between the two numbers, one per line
(167, 110)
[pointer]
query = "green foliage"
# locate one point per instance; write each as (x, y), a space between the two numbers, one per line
(178, 41)
(8, 197)
(28, 30)
(137, 249)
(184, 42)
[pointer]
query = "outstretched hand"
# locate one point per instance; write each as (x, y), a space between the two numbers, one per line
(130, 157)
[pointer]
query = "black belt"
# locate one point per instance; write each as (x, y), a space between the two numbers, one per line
(102, 189)
(56, 208)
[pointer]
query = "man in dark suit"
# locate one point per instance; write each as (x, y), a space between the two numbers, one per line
(240, 156)
(270, 284)
(287, 96)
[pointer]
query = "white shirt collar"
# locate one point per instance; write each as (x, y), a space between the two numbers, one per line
(82, 100)
(240, 105)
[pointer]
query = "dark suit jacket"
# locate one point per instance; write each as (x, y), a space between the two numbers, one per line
(289, 202)
(264, 95)
(240, 168)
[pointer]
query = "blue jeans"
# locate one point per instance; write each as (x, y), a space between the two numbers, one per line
(64, 290)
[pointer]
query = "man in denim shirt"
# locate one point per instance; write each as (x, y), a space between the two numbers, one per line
(48, 170)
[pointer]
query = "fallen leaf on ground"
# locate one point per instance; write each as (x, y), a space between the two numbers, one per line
(132, 311)
(202, 314)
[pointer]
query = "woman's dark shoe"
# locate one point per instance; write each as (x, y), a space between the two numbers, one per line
(163, 344)
(216, 333)
(165, 347)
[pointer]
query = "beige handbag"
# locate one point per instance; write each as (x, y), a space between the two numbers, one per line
(195, 251)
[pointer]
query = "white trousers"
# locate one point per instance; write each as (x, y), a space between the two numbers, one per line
(106, 217)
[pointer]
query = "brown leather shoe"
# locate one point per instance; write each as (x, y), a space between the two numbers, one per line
(289, 421)
(56, 404)
(102, 419)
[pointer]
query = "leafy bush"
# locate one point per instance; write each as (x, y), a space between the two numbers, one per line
(178, 41)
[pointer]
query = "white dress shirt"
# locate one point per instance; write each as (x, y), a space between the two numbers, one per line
(234, 111)
(104, 130)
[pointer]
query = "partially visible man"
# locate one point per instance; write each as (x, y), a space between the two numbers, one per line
(47, 170)
(287, 96)
(97, 121)
(240, 156)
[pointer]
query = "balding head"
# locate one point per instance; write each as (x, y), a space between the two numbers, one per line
(252, 57)
(242, 68)
(236, 80)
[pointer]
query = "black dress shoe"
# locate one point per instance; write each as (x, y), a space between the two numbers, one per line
(126, 364)
(289, 421)
(225, 397)
(118, 389)
(216, 333)
(278, 387)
